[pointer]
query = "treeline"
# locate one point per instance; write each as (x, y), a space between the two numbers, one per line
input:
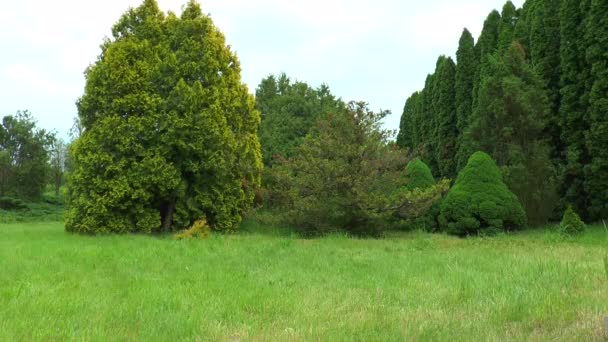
(30, 159)
(532, 92)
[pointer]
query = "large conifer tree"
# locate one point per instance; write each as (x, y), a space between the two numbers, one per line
(597, 137)
(444, 104)
(465, 76)
(170, 130)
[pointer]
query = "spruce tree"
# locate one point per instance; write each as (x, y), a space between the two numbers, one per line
(573, 107)
(465, 76)
(597, 137)
(170, 131)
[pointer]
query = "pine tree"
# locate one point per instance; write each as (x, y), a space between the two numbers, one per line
(444, 104)
(597, 137)
(573, 107)
(509, 123)
(170, 131)
(465, 73)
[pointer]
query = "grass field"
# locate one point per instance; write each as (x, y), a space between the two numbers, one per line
(271, 286)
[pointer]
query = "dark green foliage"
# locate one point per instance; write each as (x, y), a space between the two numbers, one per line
(407, 125)
(571, 223)
(169, 131)
(509, 123)
(573, 107)
(597, 138)
(508, 20)
(487, 43)
(479, 201)
(10, 203)
(465, 77)
(544, 21)
(24, 156)
(289, 109)
(427, 123)
(444, 105)
(419, 176)
(346, 177)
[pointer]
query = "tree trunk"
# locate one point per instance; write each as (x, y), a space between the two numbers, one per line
(169, 209)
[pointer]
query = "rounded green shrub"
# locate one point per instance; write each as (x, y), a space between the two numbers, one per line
(418, 175)
(571, 222)
(480, 202)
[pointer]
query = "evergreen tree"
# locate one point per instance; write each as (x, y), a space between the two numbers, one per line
(544, 24)
(573, 107)
(444, 105)
(509, 123)
(597, 137)
(170, 131)
(427, 124)
(465, 73)
(486, 46)
(508, 21)
(407, 126)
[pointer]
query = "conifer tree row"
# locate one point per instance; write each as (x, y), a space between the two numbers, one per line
(559, 64)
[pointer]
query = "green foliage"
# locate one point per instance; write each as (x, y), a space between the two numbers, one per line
(479, 201)
(596, 171)
(509, 123)
(24, 155)
(571, 223)
(169, 130)
(465, 76)
(10, 203)
(418, 175)
(199, 230)
(289, 110)
(573, 108)
(346, 177)
(445, 127)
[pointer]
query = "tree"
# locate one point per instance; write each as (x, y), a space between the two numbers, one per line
(509, 18)
(23, 156)
(479, 201)
(407, 125)
(571, 223)
(347, 177)
(465, 77)
(289, 109)
(418, 176)
(170, 131)
(544, 23)
(445, 129)
(597, 137)
(573, 107)
(58, 162)
(509, 123)
(487, 43)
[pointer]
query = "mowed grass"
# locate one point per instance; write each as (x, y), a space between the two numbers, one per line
(272, 286)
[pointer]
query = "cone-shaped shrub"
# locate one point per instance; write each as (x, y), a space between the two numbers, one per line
(571, 222)
(479, 201)
(418, 175)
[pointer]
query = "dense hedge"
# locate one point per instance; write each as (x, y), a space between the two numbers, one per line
(479, 201)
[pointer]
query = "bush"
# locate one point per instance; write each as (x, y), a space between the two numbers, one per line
(10, 203)
(419, 176)
(199, 230)
(571, 223)
(479, 201)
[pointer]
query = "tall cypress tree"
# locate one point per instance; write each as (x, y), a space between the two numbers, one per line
(508, 21)
(597, 138)
(444, 103)
(407, 127)
(427, 124)
(573, 107)
(544, 22)
(486, 45)
(465, 74)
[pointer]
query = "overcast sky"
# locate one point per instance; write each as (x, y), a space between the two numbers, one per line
(378, 51)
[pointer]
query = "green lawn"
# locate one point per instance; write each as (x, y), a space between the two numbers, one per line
(272, 286)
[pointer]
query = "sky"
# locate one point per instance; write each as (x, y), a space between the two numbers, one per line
(375, 51)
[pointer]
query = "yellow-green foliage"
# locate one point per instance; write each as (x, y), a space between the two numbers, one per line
(480, 201)
(571, 222)
(199, 230)
(170, 131)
